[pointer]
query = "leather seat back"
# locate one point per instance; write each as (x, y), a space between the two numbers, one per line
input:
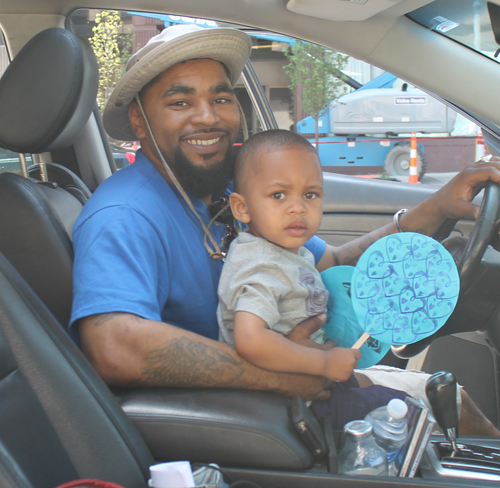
(35, 238)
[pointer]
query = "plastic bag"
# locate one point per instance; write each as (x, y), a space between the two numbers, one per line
(209, 476)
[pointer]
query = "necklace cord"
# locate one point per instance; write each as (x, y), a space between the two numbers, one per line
(215, 252)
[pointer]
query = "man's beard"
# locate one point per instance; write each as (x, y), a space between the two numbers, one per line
(202, 181)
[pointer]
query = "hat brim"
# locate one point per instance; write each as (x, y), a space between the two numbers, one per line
(229, 46)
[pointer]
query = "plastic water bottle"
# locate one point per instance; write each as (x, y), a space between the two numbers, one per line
(390, 429)
(361, 455)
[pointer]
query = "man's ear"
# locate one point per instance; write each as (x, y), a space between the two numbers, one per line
(239, 208)
(136, 120)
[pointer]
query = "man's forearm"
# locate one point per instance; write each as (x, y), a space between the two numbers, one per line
(349, 253)
(127, 350)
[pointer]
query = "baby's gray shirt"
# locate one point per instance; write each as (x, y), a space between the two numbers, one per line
(271, 282)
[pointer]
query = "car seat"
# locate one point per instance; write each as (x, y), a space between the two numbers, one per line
(47, 95)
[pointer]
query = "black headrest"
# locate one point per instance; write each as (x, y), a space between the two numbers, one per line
(47, 93)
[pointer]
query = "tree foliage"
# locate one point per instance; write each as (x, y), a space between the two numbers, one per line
(111, 49)
(317, 71)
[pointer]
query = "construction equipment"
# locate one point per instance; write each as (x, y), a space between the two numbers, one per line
(369, 128)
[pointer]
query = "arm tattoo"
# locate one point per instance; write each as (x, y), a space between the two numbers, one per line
(349, 253)
(336, 256)
(183, 362)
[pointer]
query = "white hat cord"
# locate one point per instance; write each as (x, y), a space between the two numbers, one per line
(214, 253)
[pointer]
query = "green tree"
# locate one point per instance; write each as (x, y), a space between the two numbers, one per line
(112, 49)
(317, 71)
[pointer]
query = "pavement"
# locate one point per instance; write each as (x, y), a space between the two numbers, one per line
(438, 179)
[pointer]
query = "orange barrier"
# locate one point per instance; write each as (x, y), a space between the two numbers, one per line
(413, 159)
(383, 142)
(480, 146)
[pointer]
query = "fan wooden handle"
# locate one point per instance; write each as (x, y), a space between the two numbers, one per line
(361, 341)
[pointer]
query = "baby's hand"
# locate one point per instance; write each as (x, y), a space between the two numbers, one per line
(340, 363)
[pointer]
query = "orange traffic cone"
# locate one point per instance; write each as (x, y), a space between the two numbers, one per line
(413, 159)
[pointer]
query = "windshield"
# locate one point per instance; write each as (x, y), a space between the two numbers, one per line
(465, 21)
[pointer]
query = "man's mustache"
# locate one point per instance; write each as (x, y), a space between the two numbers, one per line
(207, 131)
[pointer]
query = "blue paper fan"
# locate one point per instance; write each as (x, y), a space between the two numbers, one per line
(404, 288)
(342, 325)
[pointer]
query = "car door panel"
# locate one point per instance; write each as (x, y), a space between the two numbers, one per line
(354, 206)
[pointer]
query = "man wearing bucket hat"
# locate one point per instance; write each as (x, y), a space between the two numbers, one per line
(146, 269)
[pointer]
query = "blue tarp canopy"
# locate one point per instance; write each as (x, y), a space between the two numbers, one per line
(178, 19)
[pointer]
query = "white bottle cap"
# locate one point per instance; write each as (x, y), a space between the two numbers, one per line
(397, 409)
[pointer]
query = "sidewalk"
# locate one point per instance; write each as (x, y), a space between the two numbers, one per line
(432, 178)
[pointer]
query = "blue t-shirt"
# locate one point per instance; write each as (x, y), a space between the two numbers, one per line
(139, 249)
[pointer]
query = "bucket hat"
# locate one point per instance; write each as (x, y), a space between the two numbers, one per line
(173, 45)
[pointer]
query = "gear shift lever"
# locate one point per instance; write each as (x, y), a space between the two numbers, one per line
(441, 390)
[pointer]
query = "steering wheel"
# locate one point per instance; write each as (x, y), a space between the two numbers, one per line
(481, 236)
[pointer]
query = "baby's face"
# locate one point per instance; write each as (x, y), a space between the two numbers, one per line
(284, 196)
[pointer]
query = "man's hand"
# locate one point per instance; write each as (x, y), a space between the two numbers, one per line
(306, 386)
(300, 333)
(454, 199)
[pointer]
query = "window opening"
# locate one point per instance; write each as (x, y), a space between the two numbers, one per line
(362, 136)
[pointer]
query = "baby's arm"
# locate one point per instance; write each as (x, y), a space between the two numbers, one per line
(267, 349)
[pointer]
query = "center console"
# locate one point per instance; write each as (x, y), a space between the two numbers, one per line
(474, 458)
